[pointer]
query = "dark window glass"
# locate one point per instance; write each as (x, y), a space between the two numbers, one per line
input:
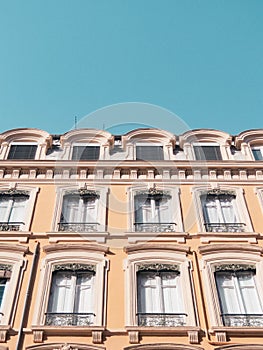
(22, 152)
(257, 154)
(149, 153)
(2, 288)
(207, 153)
(86, 152)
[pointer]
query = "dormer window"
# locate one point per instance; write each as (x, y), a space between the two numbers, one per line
(149, 152)
(207, 151)
(84, 152)
(22, 151)
(257, 153)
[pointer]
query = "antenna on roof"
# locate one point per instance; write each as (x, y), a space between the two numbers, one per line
(76, 122)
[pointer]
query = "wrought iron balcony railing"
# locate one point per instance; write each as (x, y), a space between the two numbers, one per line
(154, 227)
(78, 226)
(69, 319)
(11, 226)
(161, 320)
(242, 320)
(225, 227)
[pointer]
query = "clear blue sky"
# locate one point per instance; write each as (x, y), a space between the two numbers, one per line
(200, 59)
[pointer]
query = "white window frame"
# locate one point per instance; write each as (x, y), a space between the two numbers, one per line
(160, 257)
(175, 207)
(29, 205)
(211, 144)
(216, 255)
(240, 205)
(16, 143)
(79, 254)
(56, 235)
(13, 256)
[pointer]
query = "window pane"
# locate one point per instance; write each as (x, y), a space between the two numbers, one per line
(22, 152)
(149, 153)
(249, 292)
(152, 209)
(86, 152)
(3, 282)
(76, 209)
(229, 300)
(148, 301)
(257, 154)
(172, 299)
(207, 153)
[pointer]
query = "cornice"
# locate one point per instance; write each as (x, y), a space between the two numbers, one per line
(135, 248)
(73, 247)
(14, 248)
(215, 248)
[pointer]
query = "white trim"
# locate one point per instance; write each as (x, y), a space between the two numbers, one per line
(162, 257)
(71, 256)
(240, 205)
(207, 267)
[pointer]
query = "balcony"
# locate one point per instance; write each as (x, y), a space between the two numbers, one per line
(11, 226)
(78, 226)
(69, 319)
(225, 227)
(161, 320)
(242, 320)
(154, 227)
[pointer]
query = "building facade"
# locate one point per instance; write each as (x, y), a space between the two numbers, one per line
(142, 241)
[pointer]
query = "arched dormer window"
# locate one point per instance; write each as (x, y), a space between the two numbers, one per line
(206, 145)
(250, 143)
(86, 144)
(149, 145)
(24, 144)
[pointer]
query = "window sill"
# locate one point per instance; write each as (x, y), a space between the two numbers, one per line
(134, 237)
(207, 237)
(191, 331)
(4, 330)
(95, 331)
(63, 236)
(221, 332)
(19, 236)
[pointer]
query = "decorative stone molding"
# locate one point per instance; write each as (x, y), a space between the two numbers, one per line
(64, 346)
(3, 335)
(38, 336)
(163, 346)
(241, 347)
(97, 336)
(234, 267)
(67, 247)
(214, 248)
(136, 248)
(133, 337)
(74, 267)
(193, 337)
(221, 337)
(158, 267)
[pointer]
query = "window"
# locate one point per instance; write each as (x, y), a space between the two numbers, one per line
(71, 296)
(22, 151)
(239, 300)
(220, 214)
(86, 152)
(12, 210)
(153, 212)
(79, 212)
(149, 152)
(257, 153)
(159, 287)
(5, 274)
(207, 152)
(159, 296)
(80, 209)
